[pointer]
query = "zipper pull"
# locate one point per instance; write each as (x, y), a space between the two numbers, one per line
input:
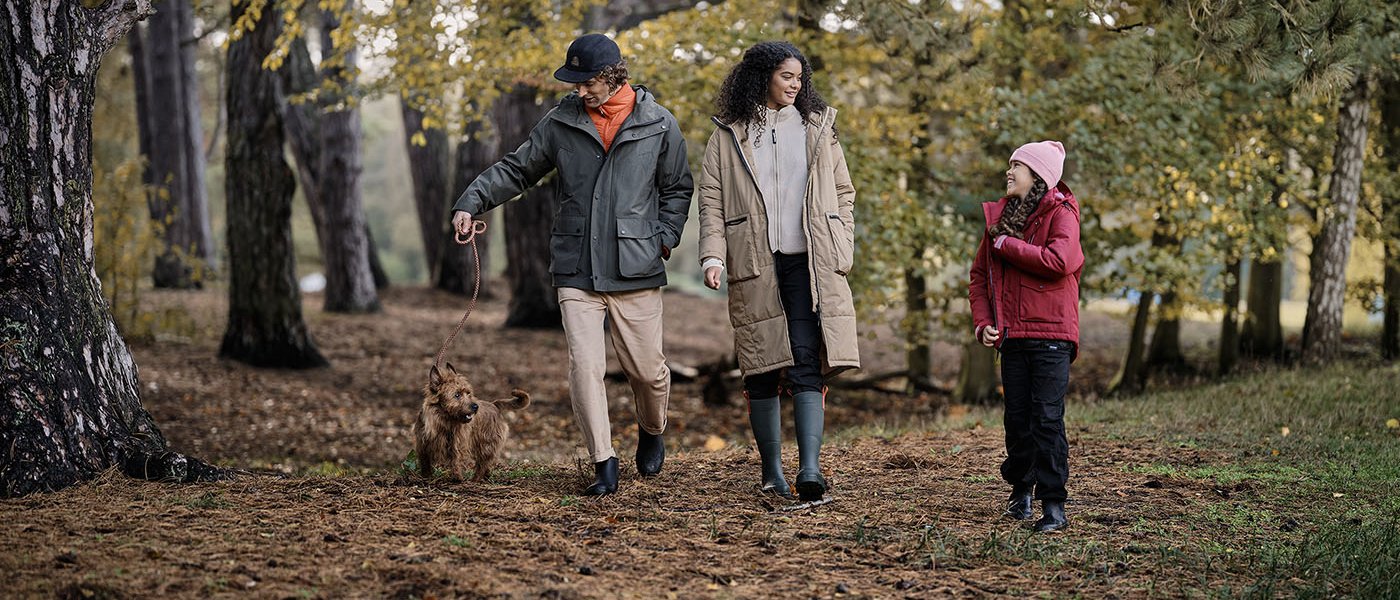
(775, 136)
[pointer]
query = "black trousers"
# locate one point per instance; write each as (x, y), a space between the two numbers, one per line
(804, 332)
(1035, 377)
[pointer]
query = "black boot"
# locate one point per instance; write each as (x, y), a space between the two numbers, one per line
(810, 417)
(765, 418)
(606, 481)
(651, 452)
(1052, 517)
(1019, 505)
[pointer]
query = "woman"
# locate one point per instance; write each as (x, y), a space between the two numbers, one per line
(775, 213)
(1025, 301)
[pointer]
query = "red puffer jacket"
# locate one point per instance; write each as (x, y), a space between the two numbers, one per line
(1029, 287)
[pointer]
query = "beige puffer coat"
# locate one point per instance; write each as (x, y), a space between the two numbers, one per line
(734, 228)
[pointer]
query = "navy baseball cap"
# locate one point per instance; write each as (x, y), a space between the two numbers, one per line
(587, 56)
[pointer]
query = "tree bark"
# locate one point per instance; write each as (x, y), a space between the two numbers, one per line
(1229, 323)
(1263, 331)
(1129, 379)
(303, 123)
(918, 356)
(1164, 353)
(265, 325)
(1322, 330)
(475, 153)
(1390, 213)
(533, 302)
(345, 251)
(68, 379)
(178, 204)
(977, 379)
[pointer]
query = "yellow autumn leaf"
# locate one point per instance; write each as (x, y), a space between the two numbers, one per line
(1285, 431)
(1392, 423)
(714, 444)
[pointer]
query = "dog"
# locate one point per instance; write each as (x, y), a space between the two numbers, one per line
(454, 426)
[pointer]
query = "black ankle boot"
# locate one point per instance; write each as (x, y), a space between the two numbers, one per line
(651, 452)
(1018, 506)
(606, 481)
(810, 417)
(765, 420)
(1052, 517)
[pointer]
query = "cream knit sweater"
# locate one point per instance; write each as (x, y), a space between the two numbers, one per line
(780, 166)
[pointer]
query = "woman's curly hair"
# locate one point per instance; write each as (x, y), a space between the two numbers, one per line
(744, 93)
(1019, 209)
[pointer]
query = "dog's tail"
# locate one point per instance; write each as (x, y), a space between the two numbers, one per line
(519, 399)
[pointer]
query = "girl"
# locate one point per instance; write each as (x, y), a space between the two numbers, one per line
(775, 212)
(1025, 301)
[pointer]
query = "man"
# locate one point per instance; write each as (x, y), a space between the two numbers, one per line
(625, 190)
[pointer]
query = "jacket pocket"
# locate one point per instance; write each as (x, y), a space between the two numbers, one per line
(639, 248)
(566, 245)
(1042, 300)
(842, 248)
(740, 258)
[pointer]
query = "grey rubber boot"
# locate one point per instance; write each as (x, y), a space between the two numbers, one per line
(766, 420)
(810, 416)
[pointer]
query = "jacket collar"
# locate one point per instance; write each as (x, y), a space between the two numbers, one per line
(1060, 196)
(816, 127)
(571, 111)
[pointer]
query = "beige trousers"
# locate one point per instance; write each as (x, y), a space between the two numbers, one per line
(635, 327)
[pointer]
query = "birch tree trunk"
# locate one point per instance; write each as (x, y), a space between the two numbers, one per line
(67, 379)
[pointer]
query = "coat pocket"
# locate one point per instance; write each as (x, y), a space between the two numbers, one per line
(740, 258)
(1042, 300)
(843, 248)
(639, 248)
(566, 245)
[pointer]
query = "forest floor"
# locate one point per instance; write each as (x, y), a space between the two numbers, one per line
(1278, 482)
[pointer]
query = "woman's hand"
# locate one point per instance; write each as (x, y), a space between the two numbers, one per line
(712, 277)
(990, 335)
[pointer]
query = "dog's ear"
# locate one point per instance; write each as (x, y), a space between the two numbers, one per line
(435, 377)
(451, 368)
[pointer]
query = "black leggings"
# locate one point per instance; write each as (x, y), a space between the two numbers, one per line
(804, 332)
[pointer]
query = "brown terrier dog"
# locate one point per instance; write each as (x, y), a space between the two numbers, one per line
(453, 426)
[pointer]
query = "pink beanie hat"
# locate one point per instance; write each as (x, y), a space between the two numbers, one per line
(1046, 158)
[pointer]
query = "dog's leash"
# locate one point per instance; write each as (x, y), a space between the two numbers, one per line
(478, 227)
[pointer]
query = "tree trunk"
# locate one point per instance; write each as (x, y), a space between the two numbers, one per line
(533, 302)
(136, 45)
(265, 326)
(1164, 353)
(1129, 379)
(303, 122)
(345, 251)
(977, 379)
(427, 164)
(918, 357)
(197, 231)
(178, 204)
(1263, 331)
(476, 152)
(68, 380)
(1322, 330)
(1229, 324)
(1390, 214)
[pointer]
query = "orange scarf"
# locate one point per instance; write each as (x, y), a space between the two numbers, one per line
(608, 118)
